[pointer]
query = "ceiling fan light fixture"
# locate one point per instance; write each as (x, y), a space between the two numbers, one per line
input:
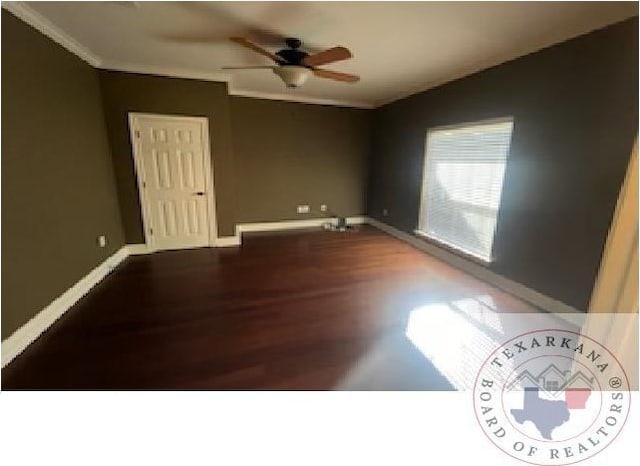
(294, 66)
(293, 75)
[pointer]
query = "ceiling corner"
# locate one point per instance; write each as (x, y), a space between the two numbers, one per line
(46, 27)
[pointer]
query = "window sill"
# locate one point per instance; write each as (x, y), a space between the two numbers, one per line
(452, 249)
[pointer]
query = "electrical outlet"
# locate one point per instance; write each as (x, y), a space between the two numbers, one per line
(303, 209)
(385, 212)
(102, 241)
(323, 208)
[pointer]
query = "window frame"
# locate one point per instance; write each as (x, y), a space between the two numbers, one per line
(423, 207)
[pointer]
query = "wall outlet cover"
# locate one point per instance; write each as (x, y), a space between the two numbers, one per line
(303, 209)
(102, 241)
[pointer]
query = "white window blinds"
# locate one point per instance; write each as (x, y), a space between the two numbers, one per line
(462, 183)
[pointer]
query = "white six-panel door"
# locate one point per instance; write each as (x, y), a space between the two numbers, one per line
(174, 177)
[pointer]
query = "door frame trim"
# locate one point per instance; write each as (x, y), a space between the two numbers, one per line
(133, 118)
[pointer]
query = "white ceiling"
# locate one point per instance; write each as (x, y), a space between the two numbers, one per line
(398, 47)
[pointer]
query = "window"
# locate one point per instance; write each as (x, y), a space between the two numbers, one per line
(462, 183)
(551, 385)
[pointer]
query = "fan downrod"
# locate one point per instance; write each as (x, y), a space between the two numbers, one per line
(293, 43)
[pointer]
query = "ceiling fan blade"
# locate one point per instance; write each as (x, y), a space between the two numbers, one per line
(256, 48)
(268, 67)
(344, 77)
(327, 56)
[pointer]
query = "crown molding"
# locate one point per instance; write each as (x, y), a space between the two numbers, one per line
(171, 72)
(186, 73)
(53, 32)
(299, 99)
(46, 27)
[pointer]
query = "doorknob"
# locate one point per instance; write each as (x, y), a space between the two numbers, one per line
(199, 193)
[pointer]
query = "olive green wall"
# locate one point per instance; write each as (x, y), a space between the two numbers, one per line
(268, 156)
(287, 154)
(68, 173)
(575, 109)
(128, 92)
(58, 191)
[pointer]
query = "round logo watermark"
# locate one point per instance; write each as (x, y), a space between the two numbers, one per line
(551, 397)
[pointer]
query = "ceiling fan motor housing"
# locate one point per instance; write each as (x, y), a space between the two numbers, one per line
(291, 56)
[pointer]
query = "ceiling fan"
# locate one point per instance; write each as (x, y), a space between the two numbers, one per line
(294, 66)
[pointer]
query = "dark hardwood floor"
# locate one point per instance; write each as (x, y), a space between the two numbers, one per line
(291, 310)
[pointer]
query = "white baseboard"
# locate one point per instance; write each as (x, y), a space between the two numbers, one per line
(293, 224)
(25, 335)
(227, 241)
(136, 249)
(517, 289)
(236, 240)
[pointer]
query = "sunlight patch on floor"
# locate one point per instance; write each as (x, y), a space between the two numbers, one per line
(456, 337)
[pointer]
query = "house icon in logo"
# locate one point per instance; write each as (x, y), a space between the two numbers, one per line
(552, 380)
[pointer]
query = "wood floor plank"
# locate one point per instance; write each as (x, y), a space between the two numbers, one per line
(287, 310)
